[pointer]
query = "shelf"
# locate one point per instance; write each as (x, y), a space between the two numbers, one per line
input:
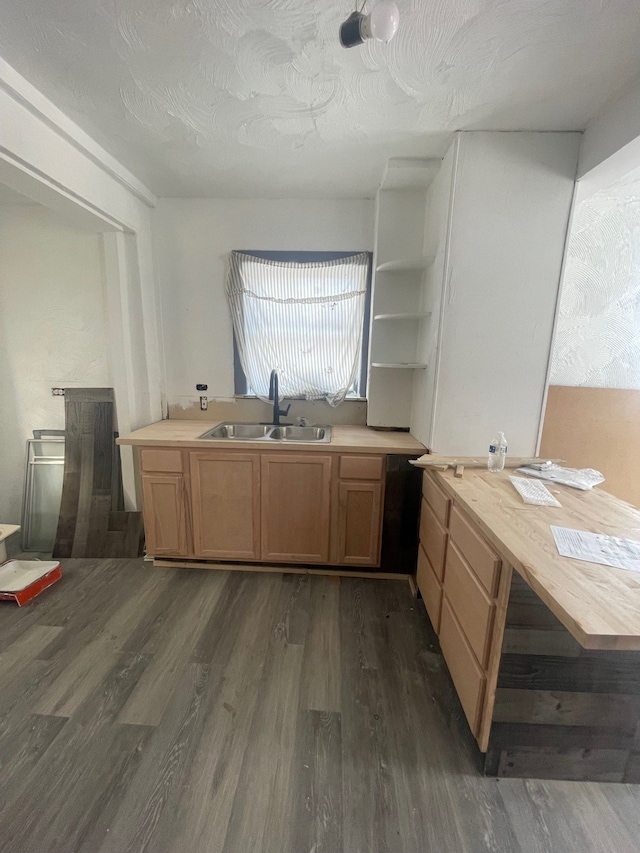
(406, 365)
(410, 173)
(418, 315)
(406, 265)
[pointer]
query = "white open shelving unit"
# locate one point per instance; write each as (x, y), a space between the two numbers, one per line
(400, 364)
(511, 194)
(417, 315)
(400, 299)
(408, 265)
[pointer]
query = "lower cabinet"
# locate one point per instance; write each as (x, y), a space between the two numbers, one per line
(466, 673)
(165, 514)
(469, 600)
(359, 528)
(225, 504)
(461, 580)
(430, 588)
(433, 538)
(278, 507)
(296, 507)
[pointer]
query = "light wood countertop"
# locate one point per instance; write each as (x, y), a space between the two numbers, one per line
(599, 605)
(351, 439)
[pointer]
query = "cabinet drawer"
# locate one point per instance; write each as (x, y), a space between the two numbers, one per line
(161, 459)
(470, 603)
(430, 588)
(436, 498)
(468, 678)
(433, 538)
(361, 467)
(472, 545)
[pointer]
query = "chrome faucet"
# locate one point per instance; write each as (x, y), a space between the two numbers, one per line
(273, 395)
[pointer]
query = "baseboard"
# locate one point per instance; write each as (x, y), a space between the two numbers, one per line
(294, 570)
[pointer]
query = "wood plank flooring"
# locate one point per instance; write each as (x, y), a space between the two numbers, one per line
(189, 711)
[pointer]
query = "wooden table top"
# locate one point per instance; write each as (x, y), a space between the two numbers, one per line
(352, 439)
(599, 605)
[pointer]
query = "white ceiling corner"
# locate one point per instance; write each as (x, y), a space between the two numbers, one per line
(257, 98)
(402, 173)
(10, 198)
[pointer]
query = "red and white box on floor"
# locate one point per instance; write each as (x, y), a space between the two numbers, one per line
(22, 580)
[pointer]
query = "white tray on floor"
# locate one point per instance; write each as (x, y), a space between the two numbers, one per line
(16, 575)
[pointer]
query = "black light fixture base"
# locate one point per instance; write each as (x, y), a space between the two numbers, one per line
(350, 31)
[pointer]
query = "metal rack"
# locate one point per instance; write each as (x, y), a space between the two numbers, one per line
(44, 472)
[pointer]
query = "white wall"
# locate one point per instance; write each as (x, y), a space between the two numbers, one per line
(193, 239)
(45, 156)
(48, 158)
(52, 331)
(597, 340)
(509, 218)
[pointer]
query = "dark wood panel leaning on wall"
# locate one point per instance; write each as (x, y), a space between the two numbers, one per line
(596, 428)
(92, 520)
(562, 711)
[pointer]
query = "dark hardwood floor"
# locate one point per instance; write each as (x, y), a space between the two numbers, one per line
(198, 711)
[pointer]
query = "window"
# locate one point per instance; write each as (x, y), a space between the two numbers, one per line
(304, 314)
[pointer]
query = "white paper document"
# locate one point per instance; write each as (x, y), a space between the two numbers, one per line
(598, 548)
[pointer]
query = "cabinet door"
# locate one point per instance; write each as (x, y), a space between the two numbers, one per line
(470, 603)
(433, 538)
(359, 506)
(225, 498)
(465, 672)
(296, 497)
(430, 588)
(165, 516)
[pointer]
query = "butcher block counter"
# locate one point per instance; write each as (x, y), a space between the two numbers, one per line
(543, 650)
(599, 605)
(346, 505)
(354, 439)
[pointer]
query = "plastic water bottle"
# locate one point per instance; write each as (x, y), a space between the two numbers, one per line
(497, 453)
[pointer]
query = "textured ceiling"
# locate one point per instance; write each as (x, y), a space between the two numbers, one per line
(257, 98)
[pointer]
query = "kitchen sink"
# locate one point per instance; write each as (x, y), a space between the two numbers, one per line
(294, 433)
(267, 432)
(248, 432)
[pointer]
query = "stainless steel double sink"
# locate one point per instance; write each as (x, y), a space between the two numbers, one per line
(267, 432)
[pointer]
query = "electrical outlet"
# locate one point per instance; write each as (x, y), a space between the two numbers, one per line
(57, 392)
(204, 404)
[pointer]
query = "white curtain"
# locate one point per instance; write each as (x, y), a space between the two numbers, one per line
(304, 320)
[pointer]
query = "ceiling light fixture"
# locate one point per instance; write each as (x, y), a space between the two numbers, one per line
(381, 24)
